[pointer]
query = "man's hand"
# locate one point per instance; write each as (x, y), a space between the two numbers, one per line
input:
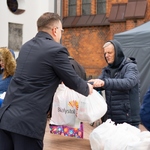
(97, 82)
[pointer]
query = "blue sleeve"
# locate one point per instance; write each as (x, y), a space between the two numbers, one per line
(145, 110)
(1, 101)
(4, 83)
(127, 80)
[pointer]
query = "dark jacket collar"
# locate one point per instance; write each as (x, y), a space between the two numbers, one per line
(44, 34)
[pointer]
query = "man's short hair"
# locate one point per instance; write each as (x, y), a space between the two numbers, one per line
(47, 19)
(107, 44)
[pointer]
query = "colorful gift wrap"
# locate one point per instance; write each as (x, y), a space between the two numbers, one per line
(67, 131)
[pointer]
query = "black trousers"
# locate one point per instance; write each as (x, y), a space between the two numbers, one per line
(13, 141)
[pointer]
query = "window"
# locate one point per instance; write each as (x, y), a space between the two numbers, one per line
(12, 5)
(136, 9)
(117, 12)
(72, 7)
(101, 6)
(58, 7)
(16, 6)
(86, 7)
(15, 36)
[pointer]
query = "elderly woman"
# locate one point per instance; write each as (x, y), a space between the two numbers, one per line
(7, 69)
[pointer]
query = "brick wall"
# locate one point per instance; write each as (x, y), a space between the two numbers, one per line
(85, 43)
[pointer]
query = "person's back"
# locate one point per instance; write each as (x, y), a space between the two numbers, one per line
(41, 65)
(35, 80)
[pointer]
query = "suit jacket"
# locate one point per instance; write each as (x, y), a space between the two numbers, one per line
(42, 64)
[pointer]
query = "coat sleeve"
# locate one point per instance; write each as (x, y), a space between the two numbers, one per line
(145, 110)
(128, 77)
(67, 74)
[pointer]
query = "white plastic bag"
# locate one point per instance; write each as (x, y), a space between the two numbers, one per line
(65, 105)
(142, 144)
(124, 134)
(100, 134)
(91, 108)
(109, 136)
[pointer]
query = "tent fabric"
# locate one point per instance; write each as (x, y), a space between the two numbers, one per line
(136, 43)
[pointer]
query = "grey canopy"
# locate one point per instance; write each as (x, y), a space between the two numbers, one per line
(136, 43)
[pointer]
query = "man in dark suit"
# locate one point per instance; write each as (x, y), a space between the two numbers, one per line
(42, 64)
